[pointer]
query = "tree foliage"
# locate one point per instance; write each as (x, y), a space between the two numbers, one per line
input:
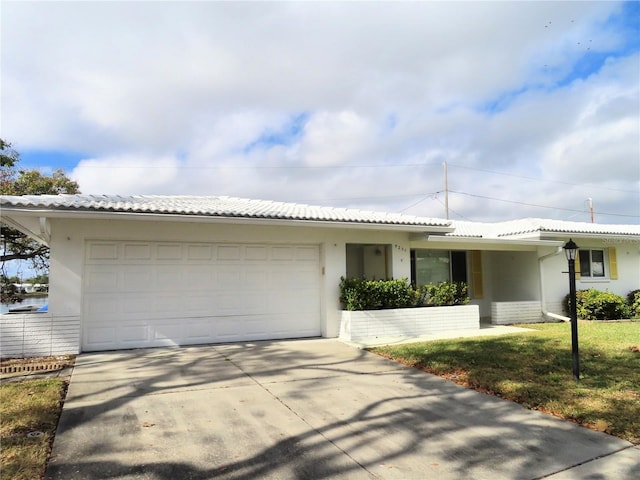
(16, 245)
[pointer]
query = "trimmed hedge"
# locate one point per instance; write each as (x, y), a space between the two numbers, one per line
(360, 294)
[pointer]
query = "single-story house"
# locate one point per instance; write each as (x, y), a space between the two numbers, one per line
(145, 271)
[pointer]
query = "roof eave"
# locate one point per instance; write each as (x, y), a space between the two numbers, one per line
(484, 243)
(625, 236)
(86, 214)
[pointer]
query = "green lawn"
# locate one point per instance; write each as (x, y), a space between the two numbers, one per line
(534, 369)
(28, 406)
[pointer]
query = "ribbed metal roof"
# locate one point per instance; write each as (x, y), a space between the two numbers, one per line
(533, 226)
(214, 206)
(223, 206)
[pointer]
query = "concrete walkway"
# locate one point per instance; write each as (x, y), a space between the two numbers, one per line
(307, 409)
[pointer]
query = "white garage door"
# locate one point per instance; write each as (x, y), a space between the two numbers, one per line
(146, 294)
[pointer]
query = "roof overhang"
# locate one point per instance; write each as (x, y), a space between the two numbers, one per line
(38, 228)
(16, 214)
(608, 236)
(482, 243)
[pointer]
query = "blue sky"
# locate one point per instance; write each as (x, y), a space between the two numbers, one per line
(535, 106)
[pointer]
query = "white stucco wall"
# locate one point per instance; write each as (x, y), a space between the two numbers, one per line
(510, 273)
(68, 238)
(556, 280)
(514, 276)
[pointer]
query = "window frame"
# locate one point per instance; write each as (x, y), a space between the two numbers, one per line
(606, 274)
(460, 254)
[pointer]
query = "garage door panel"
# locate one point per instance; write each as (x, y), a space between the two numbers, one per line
(228, 253)
(135, 252)
(200, 330)
(196, 277)
(101, 337)
(199, 253)
(169, 252)
(309, 254)
(134, 306)
(101, 279)
(279, 254)
(133, 334)
(228, 277)
(101, 307)
(140, 294)
(199, 302)
(256, 253)
(166, 333)
(255, 279)
(135, 279)
(102, 251)
(169, 277)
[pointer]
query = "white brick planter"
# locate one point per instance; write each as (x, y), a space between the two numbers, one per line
(504, 313)
(38, 334)
(407, 322)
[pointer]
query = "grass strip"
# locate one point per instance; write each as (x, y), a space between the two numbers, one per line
(28, 408)
(534, 369)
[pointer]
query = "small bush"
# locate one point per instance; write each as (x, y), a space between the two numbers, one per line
(358, 294)
(444, 294)
(633, 300)
(596, 305)
(396, 293)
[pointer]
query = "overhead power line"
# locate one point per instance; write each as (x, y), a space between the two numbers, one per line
(539, 206)
(180, 166)
(537, 179)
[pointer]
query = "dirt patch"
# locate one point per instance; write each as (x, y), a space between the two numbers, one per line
(12, 368)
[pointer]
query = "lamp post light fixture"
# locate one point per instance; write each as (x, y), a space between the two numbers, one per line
(571, 251)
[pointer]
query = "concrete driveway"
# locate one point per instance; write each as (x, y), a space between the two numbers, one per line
(308, 409)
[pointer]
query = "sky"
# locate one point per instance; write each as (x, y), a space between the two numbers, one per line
(533, 106)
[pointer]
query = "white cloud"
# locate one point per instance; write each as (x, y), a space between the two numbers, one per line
(124, 174)
(194, 91)
(336, 138)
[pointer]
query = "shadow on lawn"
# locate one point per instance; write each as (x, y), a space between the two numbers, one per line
(536, 372)
(348, 420)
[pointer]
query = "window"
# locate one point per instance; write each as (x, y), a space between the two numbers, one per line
(368, 261)
(592, 263)
(435, 266)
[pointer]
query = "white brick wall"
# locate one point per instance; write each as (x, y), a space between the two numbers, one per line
(505, 313)
(38, 334)
(407, 322)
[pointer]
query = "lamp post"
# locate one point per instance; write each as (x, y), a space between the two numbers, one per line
(571, 251)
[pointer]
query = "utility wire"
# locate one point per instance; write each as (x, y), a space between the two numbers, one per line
(354, 166)
(433, 196)
(560, 182)
(539, 206)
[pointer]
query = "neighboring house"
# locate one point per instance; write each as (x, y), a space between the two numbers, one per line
(144, 271)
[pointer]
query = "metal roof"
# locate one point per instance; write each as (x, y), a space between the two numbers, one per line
(243, 208)
(213, 206)
(536, 227)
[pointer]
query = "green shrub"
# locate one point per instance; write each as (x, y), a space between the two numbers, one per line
(359, 294)
(633, 300)
(444, 294)
(396, 293)
(596, 305)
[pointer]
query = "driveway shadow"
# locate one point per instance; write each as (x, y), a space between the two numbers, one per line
(301, 409)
